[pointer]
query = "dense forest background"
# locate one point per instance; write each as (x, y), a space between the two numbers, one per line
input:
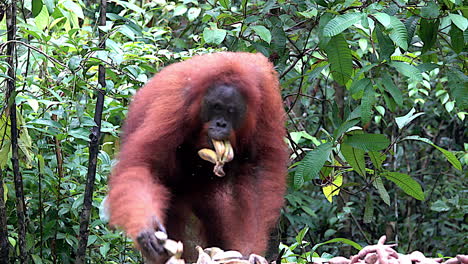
(376, 95)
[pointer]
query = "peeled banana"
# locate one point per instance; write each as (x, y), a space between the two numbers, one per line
(223, 153)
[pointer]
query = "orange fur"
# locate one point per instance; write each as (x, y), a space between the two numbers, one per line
(159, 174)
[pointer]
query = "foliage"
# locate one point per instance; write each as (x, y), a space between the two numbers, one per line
(365, 83)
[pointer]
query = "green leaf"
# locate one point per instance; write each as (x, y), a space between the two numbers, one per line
(406, 183)
(335, 240)
(312, 163)
(193, 13)
(36, 7)
(42, 19)
(263, 33)
(355, 158)
(340, 59)
(431, 10)
(81, 133)
(402, 121)
(74, 8)
(74, 62)
(377, 158)
(324, 19)
(309, 13)
(384, 19)
(448, 155)
(36, 258)
(391, 88)
(456, 39)
(440, 206)
(344, 127)
(368, 142)
(46, 122)
(367, 104)
(398, 33)
(341, 23)
(407, 70)
(411, 24)
(180, 10)
(358, 87)
(369, 210)
(378, 184)
(4, 151)
(460, 21)
(457, 82)
(225, 3)
(104, 249)
(214, 36)
(428, 32)
(386, 45)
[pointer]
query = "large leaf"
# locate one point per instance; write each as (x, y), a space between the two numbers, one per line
(358, 87)
(431, 10)
(406, 119)
(323, 40)
(341, 23)
(457, 82)
(411, 24)
(456, 39)
(398, 33)
(460, 21)
(74, 8)
(448, 155)
(369, 210)
(367, 104)
(378, 184)
(225, 3)
(214, 36)
(262, 32)
(344, 127)
(333, 189)
(428, 32)
(377, 158)
(407, 70)
(383, 18)
(368, 142)
(340, 59)
(37, 6)
(310, 166)
(391, 88)
(193, 13)
(386, 46)
(406, 183)
(355, 158)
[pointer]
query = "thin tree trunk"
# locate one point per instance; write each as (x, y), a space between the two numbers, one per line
(93, 149)
(11, 95)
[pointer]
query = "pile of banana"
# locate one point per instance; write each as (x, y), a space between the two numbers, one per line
(216, 255)
(211, 255)
(223, 153)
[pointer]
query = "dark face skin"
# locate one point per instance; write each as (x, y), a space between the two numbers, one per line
(224, 110)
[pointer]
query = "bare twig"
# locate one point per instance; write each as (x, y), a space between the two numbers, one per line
(93, 150)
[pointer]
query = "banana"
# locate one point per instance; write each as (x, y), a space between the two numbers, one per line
(228, 154)
(219, 147)
(223, 153)
(208, 155)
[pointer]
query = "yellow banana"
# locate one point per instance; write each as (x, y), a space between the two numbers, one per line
(208, 155)
(228, 153)
(219, 147)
